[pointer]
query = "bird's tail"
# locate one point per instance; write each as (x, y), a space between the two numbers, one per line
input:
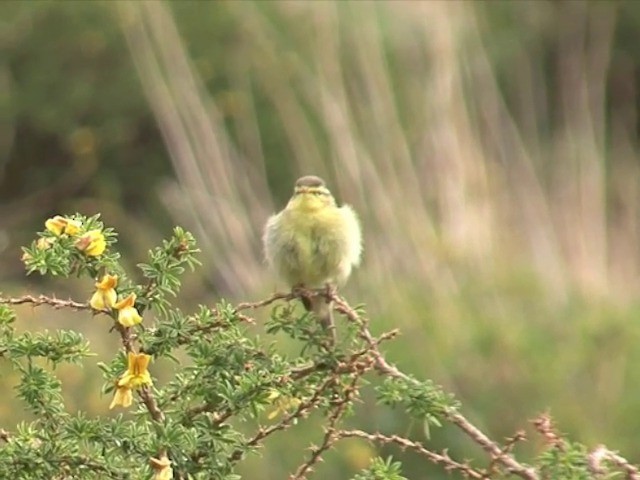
(322, 308)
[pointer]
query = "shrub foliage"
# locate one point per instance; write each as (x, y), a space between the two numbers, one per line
(227, 390)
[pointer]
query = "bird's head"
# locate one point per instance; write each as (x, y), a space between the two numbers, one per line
(310, 193)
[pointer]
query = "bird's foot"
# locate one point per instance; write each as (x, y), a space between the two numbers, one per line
(304, 295)
(329, 291)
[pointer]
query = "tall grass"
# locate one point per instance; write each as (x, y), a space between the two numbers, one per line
(474, 132)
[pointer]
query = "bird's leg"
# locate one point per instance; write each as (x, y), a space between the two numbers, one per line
(319, 303)
(301, 292)
(327, 320)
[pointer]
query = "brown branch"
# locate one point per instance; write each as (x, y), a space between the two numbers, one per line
(273, 298)
(44, 300)
(492, 448)
(545, 427)
(345, 367)
(125, 337)
(488, 445)
(300, 412)
(381, 365)
(404, 443)
(602, 454)
(150, 402)
(511, 442)
(86, 463)
(330, 436)
(508, 447)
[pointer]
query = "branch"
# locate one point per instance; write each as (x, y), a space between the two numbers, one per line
(330, 436)
(301, 411)
(263, 303)
(44, 300)
(437, 458)
(545, 427)
(602, 454)
(152, 405)
(496, 453)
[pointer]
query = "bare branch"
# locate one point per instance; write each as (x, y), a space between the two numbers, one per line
(602, 454)
(44, 300)
(437, 458)
(331, 432)
(496, 453)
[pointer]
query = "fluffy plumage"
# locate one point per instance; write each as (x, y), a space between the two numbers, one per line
(313, 242)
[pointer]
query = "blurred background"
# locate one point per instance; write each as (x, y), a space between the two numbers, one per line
(490, 148)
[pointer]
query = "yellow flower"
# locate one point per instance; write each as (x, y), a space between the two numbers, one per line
(92, 243)
(105, 296)
(123, 397)
(73, 227)
(136, 376)
(128, 316)
(59, 225)
(56, 224)
(162, 468)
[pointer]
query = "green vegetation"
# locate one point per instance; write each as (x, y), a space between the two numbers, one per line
(226, 391)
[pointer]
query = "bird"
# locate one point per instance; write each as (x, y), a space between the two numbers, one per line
(313, 243)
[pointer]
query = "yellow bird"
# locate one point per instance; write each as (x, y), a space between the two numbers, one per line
(313, 243)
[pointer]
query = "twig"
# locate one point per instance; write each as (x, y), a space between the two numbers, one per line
(437, 458)
(508, 447)
(330, 436)
(44, 300)
(287, 421)
(346, 367)
(273, 298)
(488, 445)
(601, 454)
(491, 447)
(545, 427)
(150, 402)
